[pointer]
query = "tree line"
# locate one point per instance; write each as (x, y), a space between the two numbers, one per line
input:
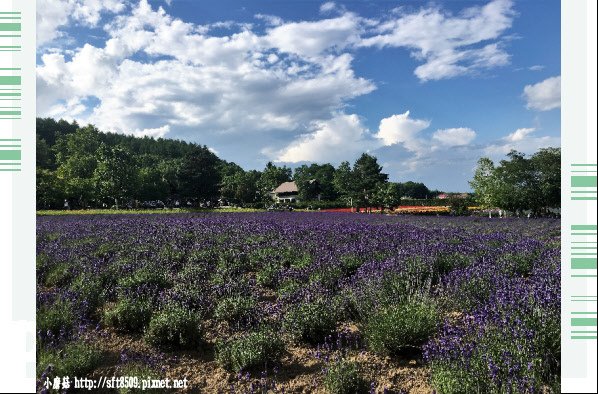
(520, 183)
(86, 168)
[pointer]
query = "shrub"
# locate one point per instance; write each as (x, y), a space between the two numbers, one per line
(129, 314)
(327, 276)
(251, 350)
(174, 326)
(520, 264)
(350, 263)
(59, 274)
(237, 309)
(57, 319)
(90, 291)
(288, 287)
(149, 276)
(311, 322)
(395, 329)
(268, 274)
(76, 358)
(342, 377)
(447, 262)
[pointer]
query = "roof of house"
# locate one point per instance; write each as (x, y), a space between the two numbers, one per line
(286, 187)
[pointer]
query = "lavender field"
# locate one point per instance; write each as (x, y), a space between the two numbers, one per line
(302, 302)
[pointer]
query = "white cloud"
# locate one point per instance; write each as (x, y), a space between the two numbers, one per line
(519, 134)
(327, 7)
(333, 140)
(521, 140)
(226, 84)
(449, 44)
(454, 137)
(536, 67)
(155, 133)
(401, 129)
(545, 95)
(314, 38)
(53, 14)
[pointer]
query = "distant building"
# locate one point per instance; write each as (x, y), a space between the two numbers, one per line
(286, 192)
(442, 196)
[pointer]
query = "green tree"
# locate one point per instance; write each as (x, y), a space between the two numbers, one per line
(483, 183)
(49, 189)
(241, 187)
(546, 165)
(198, 176)
(388, 195)
(415, 190)
(76, 159)
(116, 174)
(315, 180)
(520, 183)
(343, 182)
(367, 178)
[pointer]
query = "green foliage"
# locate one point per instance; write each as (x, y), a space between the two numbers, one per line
(488, 358)
(447, 262)
(415, 190)
(128, 314)
(90, 291)
(116, 174)
(149, 275)
(520, 264)
(520, 183)
(60, 274)
(270, 178)
(350, 264)
(55, 318)
(249, 351)
(367, 178)
(174, 326)
(411, 283)
(311, 322)
(77, 358)
(402, 327)
(315, 180)
(237, 309)
(198, 177)
(343, 377)
(267, 275)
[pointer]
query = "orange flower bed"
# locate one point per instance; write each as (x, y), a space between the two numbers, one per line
(420, 209)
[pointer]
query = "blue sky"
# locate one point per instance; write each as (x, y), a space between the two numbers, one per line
(427, 87)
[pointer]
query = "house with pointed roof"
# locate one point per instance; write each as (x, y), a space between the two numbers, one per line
(286, 192)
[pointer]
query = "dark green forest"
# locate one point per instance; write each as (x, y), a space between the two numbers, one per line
(88, 168)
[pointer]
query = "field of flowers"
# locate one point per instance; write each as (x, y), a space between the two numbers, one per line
(292, 302)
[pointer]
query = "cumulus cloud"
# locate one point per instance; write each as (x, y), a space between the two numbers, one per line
(333, 140)
(522, 140)
(53, 14)
(314, 38)
(519, 134)
(545, 95)
(454, 137)
(449, 45)
(401, 129)
(344, 137)
(243, 82)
